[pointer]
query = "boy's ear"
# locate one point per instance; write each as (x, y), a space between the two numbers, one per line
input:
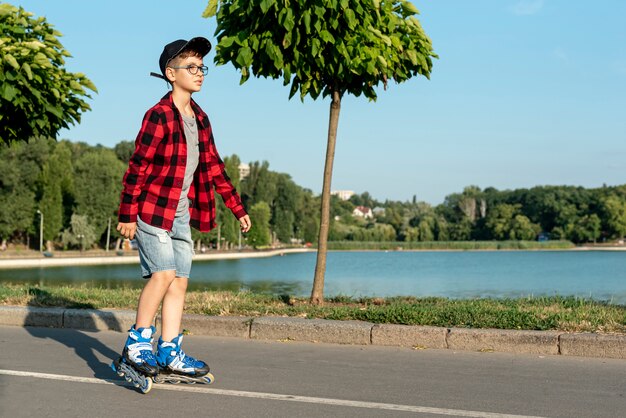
(170, 74)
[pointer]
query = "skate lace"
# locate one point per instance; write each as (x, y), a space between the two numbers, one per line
(187, 360)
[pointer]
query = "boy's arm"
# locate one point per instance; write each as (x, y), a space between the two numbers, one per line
(145, 146)
(222, 182)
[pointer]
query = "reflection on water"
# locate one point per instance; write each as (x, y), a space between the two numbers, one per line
(600, 275)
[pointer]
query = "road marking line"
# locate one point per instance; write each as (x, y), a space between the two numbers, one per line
(271, 396)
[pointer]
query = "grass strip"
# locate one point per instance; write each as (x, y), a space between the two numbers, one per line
(570, 314)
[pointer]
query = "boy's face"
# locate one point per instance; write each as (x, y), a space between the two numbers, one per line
(182, 78)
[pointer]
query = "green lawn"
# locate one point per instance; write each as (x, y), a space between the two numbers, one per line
(535, 313)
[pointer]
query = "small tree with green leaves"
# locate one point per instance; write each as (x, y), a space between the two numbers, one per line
(20, 177)
(614, 209)
(96, 190)
(81, 234)
(56, 181)
(327, 48)
(38, 96)
(260, 235)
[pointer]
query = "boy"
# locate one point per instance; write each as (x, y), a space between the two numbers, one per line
(168, 185)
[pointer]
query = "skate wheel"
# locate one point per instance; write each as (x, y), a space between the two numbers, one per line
(120, 373)
(146, 386)
(208, 378)
(174, 382)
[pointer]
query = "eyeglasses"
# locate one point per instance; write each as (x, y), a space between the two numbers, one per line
(193, 69)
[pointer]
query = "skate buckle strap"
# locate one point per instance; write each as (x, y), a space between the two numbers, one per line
(142, 345)
(141, 333)
(166, 344)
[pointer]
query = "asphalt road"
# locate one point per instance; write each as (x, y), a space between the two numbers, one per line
(65, 373)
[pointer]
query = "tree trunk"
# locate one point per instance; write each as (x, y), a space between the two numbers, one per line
(317, 294)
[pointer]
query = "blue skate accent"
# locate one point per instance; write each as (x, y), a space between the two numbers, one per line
(138, 350)
(172, 358)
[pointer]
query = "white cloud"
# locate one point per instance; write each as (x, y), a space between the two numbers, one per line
(527, 7)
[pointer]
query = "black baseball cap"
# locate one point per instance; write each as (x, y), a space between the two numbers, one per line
(198, 44)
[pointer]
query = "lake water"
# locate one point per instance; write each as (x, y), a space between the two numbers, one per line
(600, 275)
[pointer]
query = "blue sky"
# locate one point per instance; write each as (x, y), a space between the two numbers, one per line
(525, 93)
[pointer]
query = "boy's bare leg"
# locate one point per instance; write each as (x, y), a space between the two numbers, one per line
(152, 295)
(172, 311)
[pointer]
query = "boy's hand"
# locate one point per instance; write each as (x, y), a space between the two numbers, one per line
(127, 229)
(245, 223)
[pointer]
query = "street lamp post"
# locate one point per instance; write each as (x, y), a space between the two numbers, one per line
(40, 230)
(80, 237)
(108, 235)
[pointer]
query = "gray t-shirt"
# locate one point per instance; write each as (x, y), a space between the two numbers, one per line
(193, 155)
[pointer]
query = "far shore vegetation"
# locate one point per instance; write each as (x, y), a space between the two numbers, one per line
(23, 252)
(61, 195)
(451, 245)
(568, 314)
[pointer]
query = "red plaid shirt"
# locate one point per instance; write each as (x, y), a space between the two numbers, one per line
(154, 179)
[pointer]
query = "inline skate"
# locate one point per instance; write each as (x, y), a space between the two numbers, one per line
(137, 364)
(175, 366)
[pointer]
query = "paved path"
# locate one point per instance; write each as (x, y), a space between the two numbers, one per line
(64, 373)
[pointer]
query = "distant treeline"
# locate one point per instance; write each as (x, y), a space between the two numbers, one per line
(540, 213)
(449, 245)
(76, 188)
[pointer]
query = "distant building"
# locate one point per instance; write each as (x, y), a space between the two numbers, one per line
(244, 170)
(343, 194)
(378, 211)
(363, 212)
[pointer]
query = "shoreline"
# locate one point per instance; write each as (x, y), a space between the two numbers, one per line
(30, 262)
(133, 258)
(34, 261)
(583, 248)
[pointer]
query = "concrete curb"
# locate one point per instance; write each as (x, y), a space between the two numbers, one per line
(217, 326)
(336, 332)
(31, 316)
(409, 336)
(98, 320)
(593, 345)
(530, 342)
(314, 330)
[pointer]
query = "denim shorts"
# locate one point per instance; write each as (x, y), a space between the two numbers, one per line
(161, 250)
